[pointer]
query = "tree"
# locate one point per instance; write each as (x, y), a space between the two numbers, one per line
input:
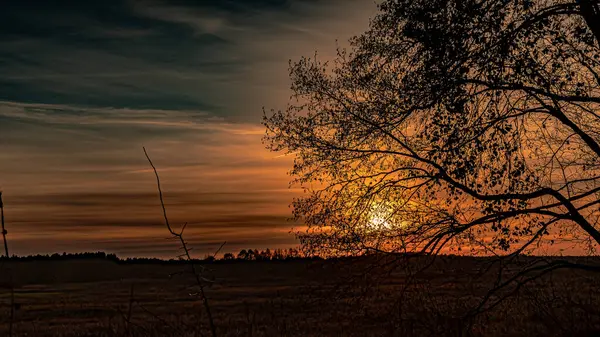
(451, 125)
(278, 254)
(242, 255)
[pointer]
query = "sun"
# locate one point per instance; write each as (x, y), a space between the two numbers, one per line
(379, 217)
(383, 217)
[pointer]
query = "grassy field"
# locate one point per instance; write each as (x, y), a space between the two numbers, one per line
(293, 298)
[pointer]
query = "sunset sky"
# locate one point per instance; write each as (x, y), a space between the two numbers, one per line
(86, 84)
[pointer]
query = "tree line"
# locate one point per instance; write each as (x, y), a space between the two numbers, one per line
(242, 255)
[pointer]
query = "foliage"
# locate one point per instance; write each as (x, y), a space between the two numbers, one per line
(450, 124)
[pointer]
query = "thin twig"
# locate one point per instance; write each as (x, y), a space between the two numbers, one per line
(12, 288)
(4, 232)
(218, 250)
(199, 279)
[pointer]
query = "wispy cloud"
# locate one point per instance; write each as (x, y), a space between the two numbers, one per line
(94, 116)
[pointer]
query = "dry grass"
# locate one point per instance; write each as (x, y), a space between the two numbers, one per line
(299, 298)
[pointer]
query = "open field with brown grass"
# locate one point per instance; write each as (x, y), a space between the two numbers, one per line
(290, 298)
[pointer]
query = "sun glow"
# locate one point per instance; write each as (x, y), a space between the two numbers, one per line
(379, 218)
(384, 217)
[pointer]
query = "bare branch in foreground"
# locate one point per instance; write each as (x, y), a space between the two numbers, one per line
(199, 279)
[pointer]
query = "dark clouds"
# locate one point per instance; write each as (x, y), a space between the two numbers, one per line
(86, 84)
(160, 55)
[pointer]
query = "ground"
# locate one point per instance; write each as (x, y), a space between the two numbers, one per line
(295, 298)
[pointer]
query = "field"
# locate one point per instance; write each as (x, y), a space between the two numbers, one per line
(289, 298)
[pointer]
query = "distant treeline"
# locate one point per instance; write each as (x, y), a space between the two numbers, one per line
(250, 255)
(242, 255)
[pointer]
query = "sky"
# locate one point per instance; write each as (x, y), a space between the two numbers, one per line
(85, 85)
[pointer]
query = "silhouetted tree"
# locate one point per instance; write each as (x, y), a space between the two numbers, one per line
(242, 255)
(267, 254)
(450, 124)
(278, 254)
(252, 254)
(228, 256)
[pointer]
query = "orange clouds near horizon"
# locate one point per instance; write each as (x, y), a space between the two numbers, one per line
(91, 194)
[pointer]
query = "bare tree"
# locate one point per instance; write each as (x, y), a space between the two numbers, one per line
(451, 125)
